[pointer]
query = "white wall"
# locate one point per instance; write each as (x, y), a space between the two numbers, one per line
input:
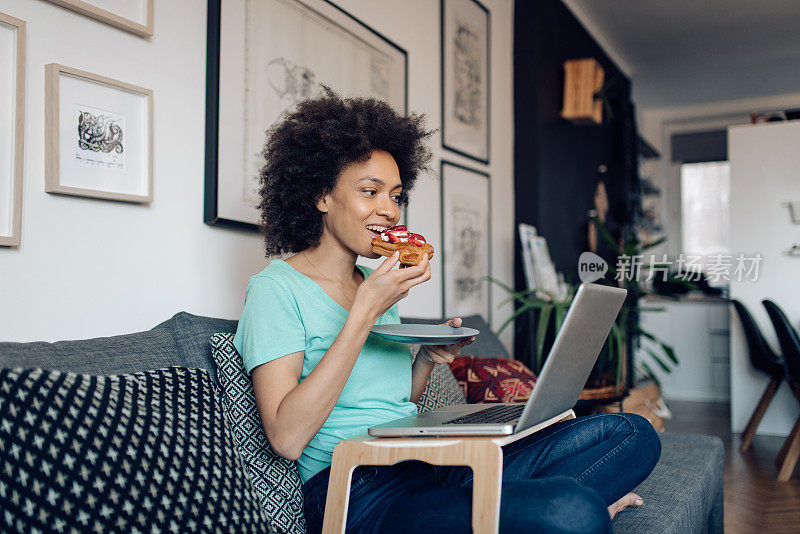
(657, 125)
(90, 268)
(758, 224)
(764, 173)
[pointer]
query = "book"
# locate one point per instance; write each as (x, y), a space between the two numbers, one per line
(526, 235)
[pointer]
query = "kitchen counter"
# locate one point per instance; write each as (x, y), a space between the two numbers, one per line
(689, 297)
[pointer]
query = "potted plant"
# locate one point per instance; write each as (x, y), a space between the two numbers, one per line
(609, 376)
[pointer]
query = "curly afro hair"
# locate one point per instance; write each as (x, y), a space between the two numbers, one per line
(307, 150)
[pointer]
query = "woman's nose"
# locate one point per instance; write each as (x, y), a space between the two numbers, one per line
(386, 206)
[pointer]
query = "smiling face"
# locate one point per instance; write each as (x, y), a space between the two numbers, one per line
(365, 201)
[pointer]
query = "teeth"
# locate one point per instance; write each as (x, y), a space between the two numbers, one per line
(376, 228)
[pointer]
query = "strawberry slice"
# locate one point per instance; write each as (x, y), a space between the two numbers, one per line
(400, 234)
(416, 239)
(397, 234)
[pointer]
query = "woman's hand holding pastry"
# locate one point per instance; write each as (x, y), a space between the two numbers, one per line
(447, 353)
(385, 286)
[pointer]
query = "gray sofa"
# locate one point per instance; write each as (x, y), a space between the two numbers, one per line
(683, 494)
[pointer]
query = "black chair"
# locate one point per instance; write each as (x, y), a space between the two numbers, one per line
(764, 360)
(790, 347)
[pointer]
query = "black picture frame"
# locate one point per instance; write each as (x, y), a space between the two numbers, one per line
(211, 214)
(451, 146)
(445, 245)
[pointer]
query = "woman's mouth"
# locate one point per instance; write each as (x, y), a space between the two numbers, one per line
(375, 230)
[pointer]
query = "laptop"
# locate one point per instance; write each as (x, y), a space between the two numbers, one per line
(568, 365)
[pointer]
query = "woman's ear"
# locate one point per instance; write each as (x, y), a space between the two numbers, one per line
(322, 203)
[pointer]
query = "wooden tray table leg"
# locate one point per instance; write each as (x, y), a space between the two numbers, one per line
(487, 481)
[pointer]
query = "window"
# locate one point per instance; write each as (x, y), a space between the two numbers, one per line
(705, 199)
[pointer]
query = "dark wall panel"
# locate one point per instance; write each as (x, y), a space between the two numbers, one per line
(556, 163)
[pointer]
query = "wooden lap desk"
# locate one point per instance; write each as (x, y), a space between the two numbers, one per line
(484, 454)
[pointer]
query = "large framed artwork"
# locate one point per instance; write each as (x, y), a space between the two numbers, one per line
(135, 16)
(466, 241)
(465, 78)
(267, 56)
(99, 136)
(12, 127)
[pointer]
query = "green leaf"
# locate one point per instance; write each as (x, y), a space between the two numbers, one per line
(532, 301)
(604, 233)
(614, 350)
(653, 244)
(516, 314)
(658, 360)
(521, 296)
(541, 332)
(499, 283)
(652, 374)
(669, 352)
(616, 331)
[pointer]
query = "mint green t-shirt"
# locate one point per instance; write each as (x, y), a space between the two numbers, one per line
(286, 312)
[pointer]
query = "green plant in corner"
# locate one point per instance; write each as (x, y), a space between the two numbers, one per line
(611, 363)
(548, 305)
(630, 248)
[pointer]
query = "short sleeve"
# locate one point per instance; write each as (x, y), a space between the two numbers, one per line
(393, 314)
(270, 325)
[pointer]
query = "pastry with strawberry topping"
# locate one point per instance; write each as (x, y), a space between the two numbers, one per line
(411, 246)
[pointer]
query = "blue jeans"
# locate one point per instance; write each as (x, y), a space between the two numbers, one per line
(561, 479)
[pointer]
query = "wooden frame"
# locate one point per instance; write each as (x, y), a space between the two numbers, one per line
(92, 11)
(452, 144)
(14, 238)
(445, 246)
(53, 73)
(222, 111)
(483, 454)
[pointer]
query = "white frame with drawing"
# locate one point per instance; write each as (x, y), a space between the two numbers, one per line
(466, 73)
(466, 241)
(269, 55)
(99, 136)
(12, 122)
(135, 16)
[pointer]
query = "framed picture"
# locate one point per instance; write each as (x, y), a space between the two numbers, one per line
(466, 241)
(135, 16)
(465, 78)
(12, 121)
(99, 136)
(269, 55)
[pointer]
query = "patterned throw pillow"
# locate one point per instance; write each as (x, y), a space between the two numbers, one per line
(493, 379)
(143, 452)
(442, 389)
(276, 480)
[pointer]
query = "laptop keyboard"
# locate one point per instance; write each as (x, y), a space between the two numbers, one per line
(496, 414)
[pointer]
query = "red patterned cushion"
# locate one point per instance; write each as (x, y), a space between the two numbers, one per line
(493, 379)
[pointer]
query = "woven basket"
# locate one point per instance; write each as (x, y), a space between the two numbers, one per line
(605, 392)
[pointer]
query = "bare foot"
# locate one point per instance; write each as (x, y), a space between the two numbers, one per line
(631, 499)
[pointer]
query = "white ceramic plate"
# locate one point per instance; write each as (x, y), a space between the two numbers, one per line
(424, 334)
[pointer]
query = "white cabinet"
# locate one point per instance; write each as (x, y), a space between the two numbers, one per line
(698, 331)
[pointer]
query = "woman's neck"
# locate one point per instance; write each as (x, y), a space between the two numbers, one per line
(334, 263)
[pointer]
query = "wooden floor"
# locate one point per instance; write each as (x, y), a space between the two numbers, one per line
(754, 500)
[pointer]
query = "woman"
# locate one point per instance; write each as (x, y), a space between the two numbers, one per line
(338, 171)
